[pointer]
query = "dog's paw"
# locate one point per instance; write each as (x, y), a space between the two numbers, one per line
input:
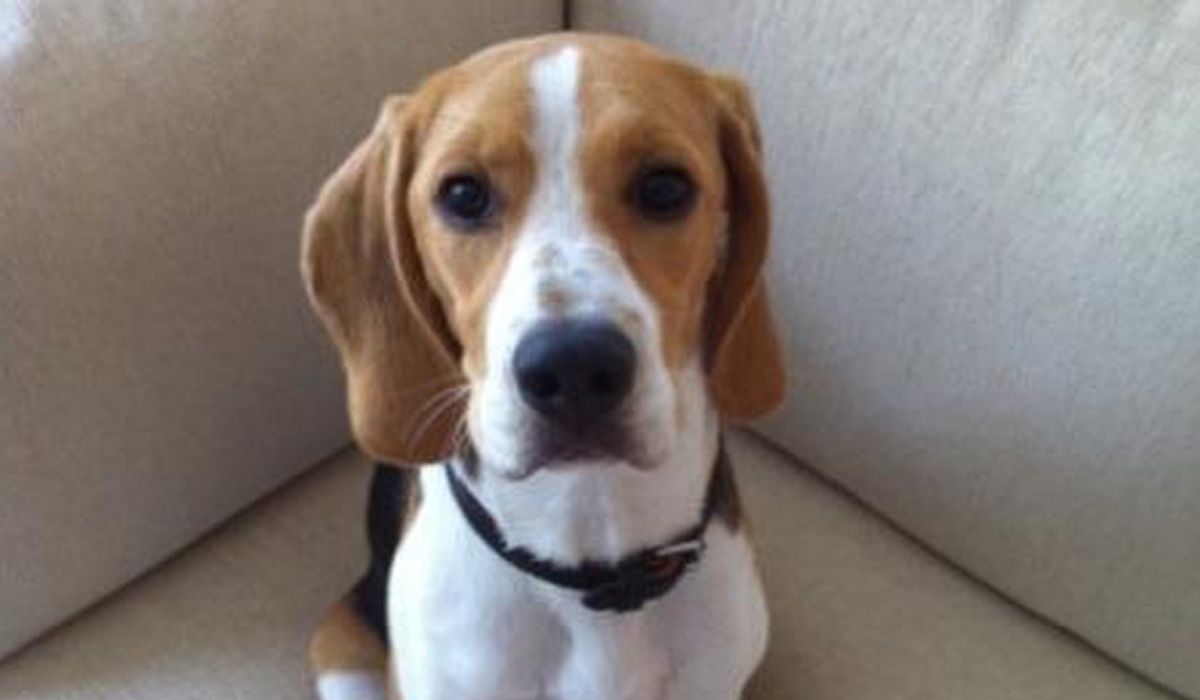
(352, 685)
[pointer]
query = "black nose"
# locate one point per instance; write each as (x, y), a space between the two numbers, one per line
(573, 372)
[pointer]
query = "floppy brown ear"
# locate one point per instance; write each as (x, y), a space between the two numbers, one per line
(746, 370)
(365, 279)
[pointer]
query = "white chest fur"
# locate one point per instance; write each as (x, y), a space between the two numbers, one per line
(465, 625)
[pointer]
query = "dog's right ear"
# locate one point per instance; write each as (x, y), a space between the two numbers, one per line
(364, 277)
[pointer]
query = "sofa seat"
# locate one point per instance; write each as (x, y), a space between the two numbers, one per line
(860, 611)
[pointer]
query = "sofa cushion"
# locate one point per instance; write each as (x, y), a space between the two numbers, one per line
(986, 262)
(159, 367)
(859, 612)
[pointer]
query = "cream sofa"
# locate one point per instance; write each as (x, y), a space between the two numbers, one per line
(986, 484)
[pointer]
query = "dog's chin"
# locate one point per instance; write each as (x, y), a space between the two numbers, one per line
(550, 448)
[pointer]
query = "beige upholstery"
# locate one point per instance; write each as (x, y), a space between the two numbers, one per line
(159, 367)
(859, 611)
(987, 263)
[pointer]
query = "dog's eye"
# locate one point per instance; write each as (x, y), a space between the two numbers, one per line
(466, 200)
(664, 193)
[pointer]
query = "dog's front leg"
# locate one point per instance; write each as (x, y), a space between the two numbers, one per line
(613, 657)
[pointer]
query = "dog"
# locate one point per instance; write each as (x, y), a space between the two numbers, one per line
(542, 272)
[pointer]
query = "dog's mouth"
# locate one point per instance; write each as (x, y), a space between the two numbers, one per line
(602, 443)
(553, 447)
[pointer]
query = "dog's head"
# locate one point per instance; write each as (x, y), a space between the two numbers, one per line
(549, 253)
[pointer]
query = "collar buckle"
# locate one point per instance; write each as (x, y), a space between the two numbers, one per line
(645, 578)
(692, 549)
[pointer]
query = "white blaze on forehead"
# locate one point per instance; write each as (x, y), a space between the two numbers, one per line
(553, 215)
(554, 82)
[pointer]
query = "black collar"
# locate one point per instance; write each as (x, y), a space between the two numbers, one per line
(621, 587)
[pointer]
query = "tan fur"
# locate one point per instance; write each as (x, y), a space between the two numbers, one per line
(343, 643)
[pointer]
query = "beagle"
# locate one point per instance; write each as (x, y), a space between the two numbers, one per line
(542, 272)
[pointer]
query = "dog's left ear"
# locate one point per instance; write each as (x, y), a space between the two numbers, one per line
(746, 371)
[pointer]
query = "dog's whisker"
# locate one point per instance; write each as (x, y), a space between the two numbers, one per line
(453, 442)
(441, 404)
(432, 420)
(423, 419)
(459, 436)
(433, 405)
(446, 382)
(439, 397)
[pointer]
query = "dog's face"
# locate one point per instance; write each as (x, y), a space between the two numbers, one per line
(541, 251)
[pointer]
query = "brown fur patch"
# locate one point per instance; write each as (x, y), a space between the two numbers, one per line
(552, 298)
(342, 642)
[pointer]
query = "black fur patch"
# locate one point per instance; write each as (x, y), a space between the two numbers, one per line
(387, 506)
(726, 501)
